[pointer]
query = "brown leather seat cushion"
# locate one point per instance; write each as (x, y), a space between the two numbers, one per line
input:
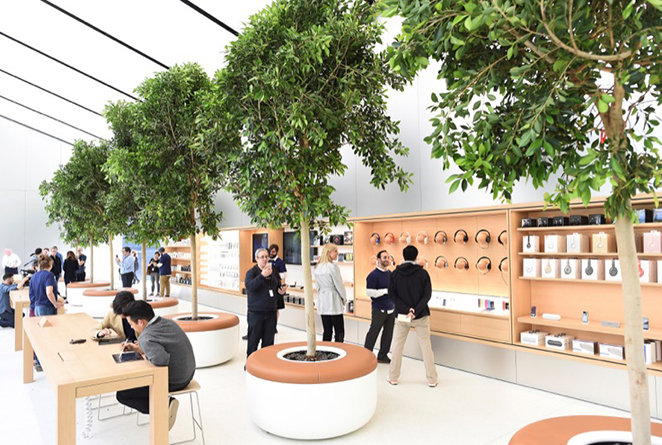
(559, 430)
(222, 321)
(107, 292)
(86, 285)
(266, 365)
(163, 302)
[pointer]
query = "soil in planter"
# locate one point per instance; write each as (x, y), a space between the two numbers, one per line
(200, 318)
(320, 356)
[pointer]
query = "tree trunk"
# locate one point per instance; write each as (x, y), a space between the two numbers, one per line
(634, 334)
(112, 263)
(194, 279)
(144, 254)
(308, 288)
(91, 259)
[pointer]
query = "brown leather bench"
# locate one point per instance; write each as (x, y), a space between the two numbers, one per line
(221, 321)
(161, 303)
(107, 292)
(559, 430)
(86, 285)
(266, 365)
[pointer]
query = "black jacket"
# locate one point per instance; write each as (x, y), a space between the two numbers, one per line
(257, 288)
(410, 287)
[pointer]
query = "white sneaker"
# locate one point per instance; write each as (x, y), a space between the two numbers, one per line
(172, 413)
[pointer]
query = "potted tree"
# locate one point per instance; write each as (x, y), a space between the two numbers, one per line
(301, 82)
(175, 178)
(536, 89)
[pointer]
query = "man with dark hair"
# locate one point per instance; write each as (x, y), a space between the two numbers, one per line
(163, 343)
(115, 323)
(127, 264)
(165, 272)
(383, 310)
(57, 263)
(279, 266)
(6, 311)
(82, 259)
(410, 289)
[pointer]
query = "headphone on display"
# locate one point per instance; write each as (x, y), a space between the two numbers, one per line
(373, 260)
(440, 237)
(484, 266)
(422, 262)
(613, 270)
(422, 237)
(466, 263)
(441, 263)
(389, 238)
(465, 238)
(390, 257)
(589, 268)
(485, 239)
(405, 238)
(375, 239)
(503, 267)
(503, 238)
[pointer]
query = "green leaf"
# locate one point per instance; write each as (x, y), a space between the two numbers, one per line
(602, 106)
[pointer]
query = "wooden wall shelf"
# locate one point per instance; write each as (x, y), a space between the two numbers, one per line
(595, 228)
(477, 314)
(561, 280)
(585, 255)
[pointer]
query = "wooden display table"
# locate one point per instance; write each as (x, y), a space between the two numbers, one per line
(87, 369)
(20, 299)
(559, 430)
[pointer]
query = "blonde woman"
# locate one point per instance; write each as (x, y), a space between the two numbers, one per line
(331, 296)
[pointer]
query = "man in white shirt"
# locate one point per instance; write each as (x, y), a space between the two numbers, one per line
(10, 262)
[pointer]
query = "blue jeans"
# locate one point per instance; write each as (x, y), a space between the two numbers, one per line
(41, 311)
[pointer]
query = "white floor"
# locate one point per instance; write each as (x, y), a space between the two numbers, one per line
(464, 409)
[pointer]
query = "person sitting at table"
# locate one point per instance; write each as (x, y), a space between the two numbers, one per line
(6, 311)
(115, 324)
(163, 343)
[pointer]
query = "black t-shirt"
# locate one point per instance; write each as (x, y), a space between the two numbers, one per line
(129, 333)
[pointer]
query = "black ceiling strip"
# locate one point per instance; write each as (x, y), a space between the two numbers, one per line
(210, 17)
(34, 129)
(104, 33)
(49, 116)
(67, 65)
(50, 92)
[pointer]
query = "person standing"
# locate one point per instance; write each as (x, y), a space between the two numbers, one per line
(70, 267)
(6, 311)
(57, 263)
(127, 264)
(383, 309)
(153, 271)
(43, 294)
(262, 286)
(32, 262)
(10, 262)
(331, 297)
(279, 266)
(82, 259)
(136, 267)
(410, 289)
(165, 272)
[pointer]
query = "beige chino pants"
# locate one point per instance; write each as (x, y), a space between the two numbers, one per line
(422, 328)
(165, 285)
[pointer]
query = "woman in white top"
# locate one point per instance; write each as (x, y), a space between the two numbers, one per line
(331, 296)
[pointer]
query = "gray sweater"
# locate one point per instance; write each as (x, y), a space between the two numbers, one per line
(165, 344)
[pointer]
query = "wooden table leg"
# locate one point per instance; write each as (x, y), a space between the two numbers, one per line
(18, 327)
(66, 415)
(28, 359)
(158, 407)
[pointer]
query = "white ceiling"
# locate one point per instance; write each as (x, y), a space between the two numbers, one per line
(167, 30)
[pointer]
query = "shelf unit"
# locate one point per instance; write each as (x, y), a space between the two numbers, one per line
(591, 228)
(592, 282)
(585, 255)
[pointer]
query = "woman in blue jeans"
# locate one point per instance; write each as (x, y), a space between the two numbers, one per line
(43, 292)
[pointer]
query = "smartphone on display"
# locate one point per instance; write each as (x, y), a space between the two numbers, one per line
(645, 324)
(585, 317)
(533, 312)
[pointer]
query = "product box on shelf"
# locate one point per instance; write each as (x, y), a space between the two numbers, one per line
(657, 215)
(653, 242)
(647, 271)
(545, 222)
(603, 243)
(561, 221)
(531, 267)
(555, 243)
(528, 222)
(597, 219)
(578, 220)
(593, 269)
(577, 243)
(570, 269)
(533, 338)
(645, 215)
(613, 270)
(551, 268)
(612, 351)
(560, 341)
(583, 346)
(531, 244)
(650, 352)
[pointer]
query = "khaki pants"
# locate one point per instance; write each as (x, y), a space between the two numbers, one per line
(165, 285)
(422, 328)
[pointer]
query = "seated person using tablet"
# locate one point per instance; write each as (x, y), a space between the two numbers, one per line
(163, 343)
(115, 324)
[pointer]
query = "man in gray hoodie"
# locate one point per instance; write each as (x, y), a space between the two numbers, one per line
(163, 343)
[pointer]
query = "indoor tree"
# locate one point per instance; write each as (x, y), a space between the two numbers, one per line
(176, 175)
(302, 81)
(534, 88)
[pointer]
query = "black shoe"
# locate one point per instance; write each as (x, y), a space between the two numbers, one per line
(383, 360)
(276, 333)
(245, 337)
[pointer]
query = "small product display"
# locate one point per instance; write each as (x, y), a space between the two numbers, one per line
(650, 352)
(585, 317)
(571, 269)
(560, 221)
(349, 256)
(645, 215)
(560, 341)
(583, 346)
(657, 215)
(577, 243)
(647, 271)
(603, 243)
(531, 244)
(551, 268)
(613, 270)
(545, 222)
(529, 222)
(578, 220)
(597, 219)
(533, 338)
(593, 269)
(349, 238)
(610, 324)
(338, 240)
(653, 242)
(555, 243)
(646, 324)
(553, 317)
(612, 351)
(534, 314)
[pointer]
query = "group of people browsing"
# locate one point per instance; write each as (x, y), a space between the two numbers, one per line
(72, 266)
(159, 270)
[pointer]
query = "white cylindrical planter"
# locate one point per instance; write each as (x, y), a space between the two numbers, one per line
(311, 400)
(75, 291)
(97, 302)
(593, 437)
(164, 306)
(214, 340)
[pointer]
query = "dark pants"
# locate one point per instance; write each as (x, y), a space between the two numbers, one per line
(7, 319)
(80, 275)
(380, 320)
(261, 327)
(154, 276)
(138, 398)
(11, 270)
(334, 323)
(127, 279)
